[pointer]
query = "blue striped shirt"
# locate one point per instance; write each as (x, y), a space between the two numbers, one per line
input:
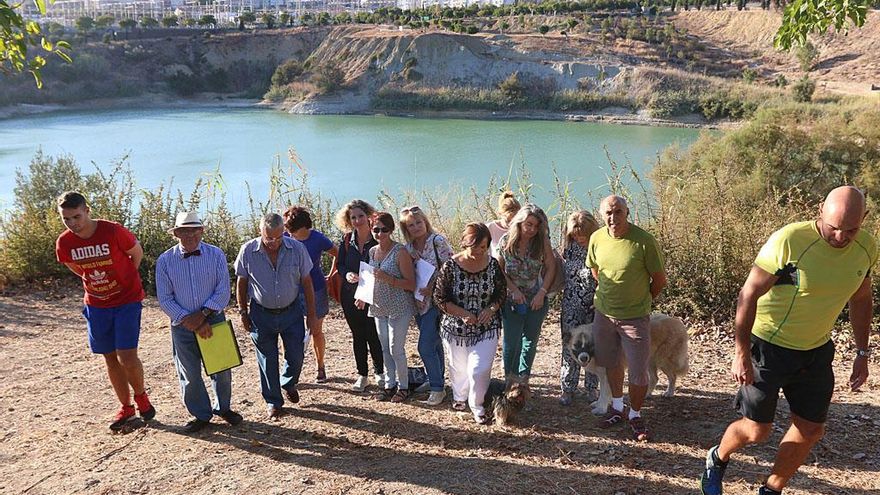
(185, 285)
(277, 286)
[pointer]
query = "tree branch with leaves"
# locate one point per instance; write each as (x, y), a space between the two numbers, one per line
(19, 36)
(804, 17)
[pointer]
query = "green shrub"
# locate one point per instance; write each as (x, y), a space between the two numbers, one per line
(802, 91)
(807, 55)
(512, 88)
(328, 78)
(749, 75)
(287, 72)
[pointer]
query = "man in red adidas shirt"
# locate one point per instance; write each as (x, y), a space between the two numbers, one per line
(106, 256)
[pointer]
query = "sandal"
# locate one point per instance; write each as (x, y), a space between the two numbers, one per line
(459, 405)
(639, 430)
(611, 418)
(385, 394)
(400, 396)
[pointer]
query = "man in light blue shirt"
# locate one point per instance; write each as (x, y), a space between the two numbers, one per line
(192, 285)
(272, 270)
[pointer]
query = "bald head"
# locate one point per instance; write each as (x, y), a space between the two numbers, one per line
(614, 211)
(841, 215)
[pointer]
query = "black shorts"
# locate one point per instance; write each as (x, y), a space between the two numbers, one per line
(806, 378)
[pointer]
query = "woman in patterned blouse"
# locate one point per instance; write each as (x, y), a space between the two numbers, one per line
(393, 304)
(527, 259)
(426, 245)
(577, 301)
(470, 291)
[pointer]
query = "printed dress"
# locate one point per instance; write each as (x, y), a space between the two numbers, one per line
(577, 309)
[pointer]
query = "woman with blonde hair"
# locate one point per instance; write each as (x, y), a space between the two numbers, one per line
(577, 301)
(470, 292)
(526, 256)
(426, 245)
(507, 208)
(393, 304)
(353, 220)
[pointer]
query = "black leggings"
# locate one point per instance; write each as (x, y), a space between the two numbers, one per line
(364, 335)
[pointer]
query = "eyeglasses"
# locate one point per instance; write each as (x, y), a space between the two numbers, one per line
(410, 209)
(383, 230)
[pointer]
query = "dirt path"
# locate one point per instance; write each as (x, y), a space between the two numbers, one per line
(55, 404)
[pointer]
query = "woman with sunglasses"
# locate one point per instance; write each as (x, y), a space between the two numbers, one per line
(393, 304)
(470, 291)
(425, 244)
(353, 220)
(526, 256)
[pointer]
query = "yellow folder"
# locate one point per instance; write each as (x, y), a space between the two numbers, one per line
(219, 351)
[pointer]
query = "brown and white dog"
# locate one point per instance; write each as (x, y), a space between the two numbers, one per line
(505, 399)
(669, 353)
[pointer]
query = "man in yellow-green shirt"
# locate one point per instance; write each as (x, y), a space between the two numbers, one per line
(628, 266)
(801, 280)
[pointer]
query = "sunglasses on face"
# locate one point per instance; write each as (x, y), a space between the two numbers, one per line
(383, 230)
(410, 209)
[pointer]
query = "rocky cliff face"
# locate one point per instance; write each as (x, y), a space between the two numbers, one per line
(447, 59)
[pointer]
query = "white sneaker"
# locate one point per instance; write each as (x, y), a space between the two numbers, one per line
(380, 380)
(435, 398)
(423, 387)
(361, 384)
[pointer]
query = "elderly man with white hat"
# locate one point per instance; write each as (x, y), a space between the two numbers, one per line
(192, 285)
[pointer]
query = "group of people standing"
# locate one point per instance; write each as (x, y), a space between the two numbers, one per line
(494, 287)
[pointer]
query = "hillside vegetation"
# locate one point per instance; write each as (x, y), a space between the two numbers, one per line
(687, 63)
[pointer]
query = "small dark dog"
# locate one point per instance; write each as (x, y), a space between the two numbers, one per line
(504, 400)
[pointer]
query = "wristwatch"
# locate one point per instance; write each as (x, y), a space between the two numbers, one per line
(863, 352)
(207, 312)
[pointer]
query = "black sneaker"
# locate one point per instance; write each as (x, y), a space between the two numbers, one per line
(195, 425)
(710, 481)
(292, 394)
(230, 417)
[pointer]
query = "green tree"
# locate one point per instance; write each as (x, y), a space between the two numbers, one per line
(84, 24)
(247, 17)
(284, 18)
(268, 19)
(512, 88)
(802, 17)
(208, 20)
(543, 29)
(19, 36)
(286, 73)
(170, 21)
(104, 21)
(189, 22)
(128, 24)
(149, 22)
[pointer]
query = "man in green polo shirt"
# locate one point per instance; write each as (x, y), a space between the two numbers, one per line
(627, 263)
(802, 278)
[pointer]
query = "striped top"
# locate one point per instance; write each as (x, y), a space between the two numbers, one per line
(186, 285)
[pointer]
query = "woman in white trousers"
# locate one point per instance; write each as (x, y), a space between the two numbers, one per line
(469, 292)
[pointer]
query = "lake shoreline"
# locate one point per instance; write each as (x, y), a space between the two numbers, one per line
(612, 115)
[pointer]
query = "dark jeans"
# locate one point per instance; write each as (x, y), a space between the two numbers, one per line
(365, 337)
(267, 327)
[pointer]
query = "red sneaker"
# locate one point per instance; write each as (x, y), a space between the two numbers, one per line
(122, 416)
(146, 409)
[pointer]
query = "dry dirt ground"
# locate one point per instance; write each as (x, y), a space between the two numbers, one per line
(55, 404)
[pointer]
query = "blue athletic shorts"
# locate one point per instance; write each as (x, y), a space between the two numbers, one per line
(112, 329)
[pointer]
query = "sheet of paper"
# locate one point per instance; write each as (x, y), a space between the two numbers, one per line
(424, 271)
(366, 282)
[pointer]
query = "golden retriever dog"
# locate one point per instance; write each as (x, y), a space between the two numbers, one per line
(669, 353)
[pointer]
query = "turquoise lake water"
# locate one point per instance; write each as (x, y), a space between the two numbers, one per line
(345, 156)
